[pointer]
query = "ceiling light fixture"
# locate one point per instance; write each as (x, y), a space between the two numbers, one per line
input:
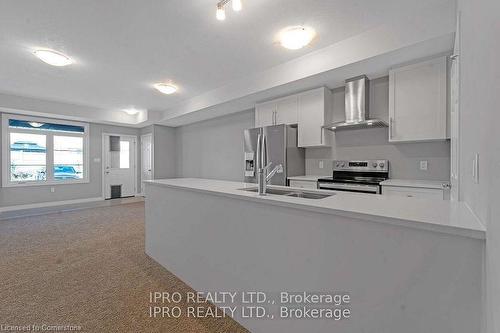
(220, 14)
(53, 58)
(131, 111)
(237, 5)
(165, 88)
(296, 37)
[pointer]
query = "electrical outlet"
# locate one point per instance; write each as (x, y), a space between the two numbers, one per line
(423, 165)
(52, 189)
(321, 164)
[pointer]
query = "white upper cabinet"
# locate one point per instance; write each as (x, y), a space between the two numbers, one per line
(264, 114)
(314, 111)
(417, 101)
(286, 112)
(310, 110)
(280, 111)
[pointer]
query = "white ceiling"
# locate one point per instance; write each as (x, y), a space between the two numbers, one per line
(121, 47)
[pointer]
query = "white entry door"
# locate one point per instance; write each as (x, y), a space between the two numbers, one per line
(146, 159)
(119, 166)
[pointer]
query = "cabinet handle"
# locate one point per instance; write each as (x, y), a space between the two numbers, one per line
(390, 128)
(275, 117)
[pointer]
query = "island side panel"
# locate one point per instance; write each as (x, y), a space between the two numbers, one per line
(400, 279)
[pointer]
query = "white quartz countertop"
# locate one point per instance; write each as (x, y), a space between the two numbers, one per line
(415, 183)
(307, 178)
(441, 216)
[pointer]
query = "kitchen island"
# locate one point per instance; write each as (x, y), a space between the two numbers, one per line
(408, 265)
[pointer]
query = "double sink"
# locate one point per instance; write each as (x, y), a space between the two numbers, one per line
(291, 193)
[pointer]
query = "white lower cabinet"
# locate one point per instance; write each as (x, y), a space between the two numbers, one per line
(414, 192)
(304, 184)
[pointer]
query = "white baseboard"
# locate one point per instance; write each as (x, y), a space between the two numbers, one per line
(48, 204)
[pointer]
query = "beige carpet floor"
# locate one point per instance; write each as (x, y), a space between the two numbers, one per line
(88, 268)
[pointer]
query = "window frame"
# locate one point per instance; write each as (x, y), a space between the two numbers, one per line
(49, 161)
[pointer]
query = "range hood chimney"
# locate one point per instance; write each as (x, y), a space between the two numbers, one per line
(357, 92)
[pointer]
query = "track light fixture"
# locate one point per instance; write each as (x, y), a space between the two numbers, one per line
(221, 10)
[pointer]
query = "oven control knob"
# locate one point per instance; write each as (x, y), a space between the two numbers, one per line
(374, 164)
(342, 165)
(381, 165)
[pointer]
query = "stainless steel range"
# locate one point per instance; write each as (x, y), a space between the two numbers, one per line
(356, 176)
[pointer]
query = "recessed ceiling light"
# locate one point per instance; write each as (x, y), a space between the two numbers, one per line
(294, 38)
(165, 88)
(53, 58)
(131, 111)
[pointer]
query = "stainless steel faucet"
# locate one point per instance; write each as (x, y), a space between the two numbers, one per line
(263, 166)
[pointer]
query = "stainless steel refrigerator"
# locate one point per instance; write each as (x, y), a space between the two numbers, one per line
(281, 149)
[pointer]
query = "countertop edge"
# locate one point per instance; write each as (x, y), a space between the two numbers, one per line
(306, 178)
(447, 229)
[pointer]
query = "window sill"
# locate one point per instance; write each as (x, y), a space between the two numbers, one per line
(46, 183)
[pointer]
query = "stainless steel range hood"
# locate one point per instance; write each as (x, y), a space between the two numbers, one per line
(357, 90)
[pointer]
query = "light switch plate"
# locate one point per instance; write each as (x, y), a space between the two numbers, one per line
(321, 164)
(97, 160)
(423, 165)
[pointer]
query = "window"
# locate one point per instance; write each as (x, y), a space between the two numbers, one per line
(38, 151)
(28, 157)
(68, 157)
(124, 154)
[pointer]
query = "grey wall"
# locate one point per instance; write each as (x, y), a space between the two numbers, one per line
(164, 154)
(213, 148)
(37, 194)
(373, 143)
(479, 133)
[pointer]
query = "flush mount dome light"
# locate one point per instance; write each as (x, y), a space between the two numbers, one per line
(294, 38)
(52, 57)
(165, 88)
(131, 111)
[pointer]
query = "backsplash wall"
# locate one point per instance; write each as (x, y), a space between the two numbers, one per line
(404, 158)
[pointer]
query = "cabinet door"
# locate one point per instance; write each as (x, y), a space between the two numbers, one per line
(411, 192)
(417, 102)
(286, 110)
(304, 184)
(265, 114)
(313, 108)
